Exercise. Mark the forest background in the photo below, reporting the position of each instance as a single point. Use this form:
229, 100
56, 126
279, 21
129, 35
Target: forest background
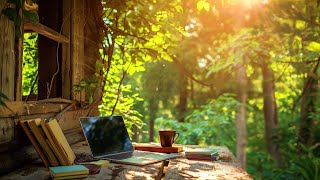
239, 73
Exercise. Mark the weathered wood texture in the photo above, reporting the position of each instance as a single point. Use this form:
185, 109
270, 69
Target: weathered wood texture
45, 31
182, 168
6, 130
7, 56
81, 26
77, 44
21, 108
19, 56
112, 171
49, 108
66, 65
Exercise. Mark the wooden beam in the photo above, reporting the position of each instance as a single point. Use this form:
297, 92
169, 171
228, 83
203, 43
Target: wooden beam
20, 108
45, 31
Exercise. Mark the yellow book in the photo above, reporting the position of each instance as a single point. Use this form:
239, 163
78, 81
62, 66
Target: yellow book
36, 145
42, 141
60, 141
63, 161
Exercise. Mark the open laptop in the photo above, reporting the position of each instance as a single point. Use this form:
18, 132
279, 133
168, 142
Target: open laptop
108, 138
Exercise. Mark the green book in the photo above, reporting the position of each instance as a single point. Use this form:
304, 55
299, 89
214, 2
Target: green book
60, 171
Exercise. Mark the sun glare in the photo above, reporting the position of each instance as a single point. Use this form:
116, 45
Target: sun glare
252, 3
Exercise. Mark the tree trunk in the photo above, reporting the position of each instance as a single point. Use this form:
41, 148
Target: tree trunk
183, 97
308, 103
241, 115
7, 56
270, 113
153, 109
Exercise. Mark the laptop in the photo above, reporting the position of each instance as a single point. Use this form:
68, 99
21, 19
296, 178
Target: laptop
108, 138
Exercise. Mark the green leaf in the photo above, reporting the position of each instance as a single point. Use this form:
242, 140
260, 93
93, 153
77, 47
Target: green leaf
10, 13
3, 96
33, 17
313, 47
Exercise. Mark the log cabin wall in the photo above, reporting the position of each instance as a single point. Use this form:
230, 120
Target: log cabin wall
7, 71
77, 57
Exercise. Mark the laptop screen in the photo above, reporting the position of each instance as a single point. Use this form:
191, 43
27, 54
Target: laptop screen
106, 135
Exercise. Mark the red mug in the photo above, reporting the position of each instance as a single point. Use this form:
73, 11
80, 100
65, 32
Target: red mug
168, 137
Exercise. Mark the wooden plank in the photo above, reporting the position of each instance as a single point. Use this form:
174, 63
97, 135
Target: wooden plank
7, 54
6, 130
45, 31
182, 168
19, 108
70, 120
190, 169
112, 171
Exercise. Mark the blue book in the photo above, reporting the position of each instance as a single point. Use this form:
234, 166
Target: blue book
60, 171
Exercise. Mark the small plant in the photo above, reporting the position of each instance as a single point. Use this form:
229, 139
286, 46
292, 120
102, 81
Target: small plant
3, 98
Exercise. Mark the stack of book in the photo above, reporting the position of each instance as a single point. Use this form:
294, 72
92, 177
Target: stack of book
69, 172
207, 154
49, 142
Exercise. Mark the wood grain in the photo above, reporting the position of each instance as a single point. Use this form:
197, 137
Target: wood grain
45, 31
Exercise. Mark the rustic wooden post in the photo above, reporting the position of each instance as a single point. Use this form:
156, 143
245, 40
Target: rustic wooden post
66, 51
18, 57
7, 56
77, 44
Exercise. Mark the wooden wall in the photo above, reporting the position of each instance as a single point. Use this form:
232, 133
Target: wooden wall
7, 56
14, 145
77, 21
7, 71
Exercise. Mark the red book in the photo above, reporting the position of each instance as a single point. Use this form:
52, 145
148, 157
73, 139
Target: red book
158, 148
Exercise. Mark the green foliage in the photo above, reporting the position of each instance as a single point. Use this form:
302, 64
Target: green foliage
88, 86
30, 64
136, 33
13, 14
211, 124
3, 98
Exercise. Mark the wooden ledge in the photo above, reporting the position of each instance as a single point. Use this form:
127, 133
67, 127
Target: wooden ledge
45, 31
